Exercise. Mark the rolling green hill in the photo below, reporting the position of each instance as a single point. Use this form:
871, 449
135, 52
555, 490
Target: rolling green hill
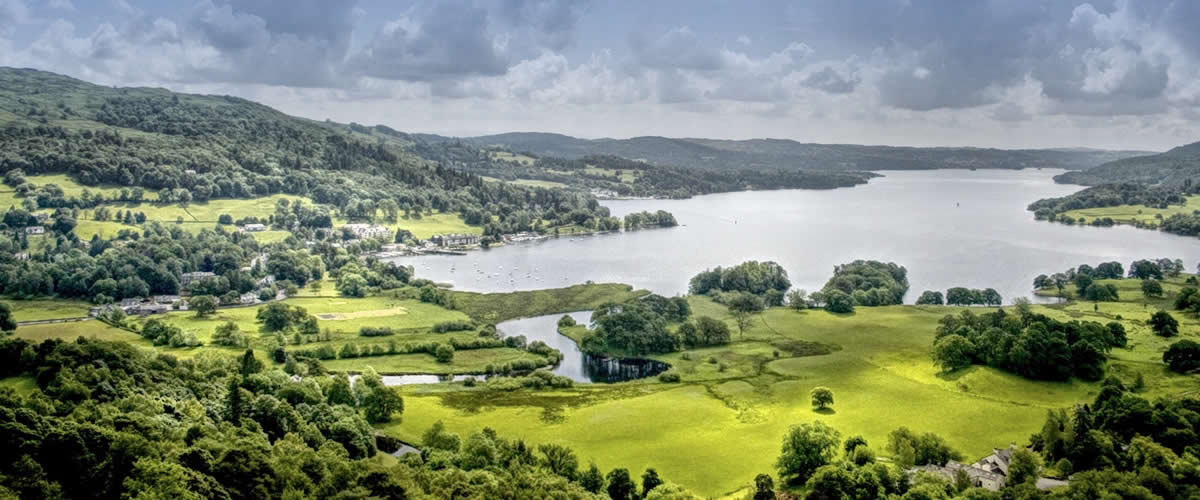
1174, 167
790, 155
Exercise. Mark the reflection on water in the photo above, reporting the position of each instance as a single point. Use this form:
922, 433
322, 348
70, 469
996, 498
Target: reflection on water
576, 365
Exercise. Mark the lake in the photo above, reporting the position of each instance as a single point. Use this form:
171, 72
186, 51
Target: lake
948, 227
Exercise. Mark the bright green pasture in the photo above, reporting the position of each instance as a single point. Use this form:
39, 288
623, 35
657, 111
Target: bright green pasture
72, 188
340, 314
468, 361
87, 228
723, 424
1127, 214
538, 183
37, 310
74, 330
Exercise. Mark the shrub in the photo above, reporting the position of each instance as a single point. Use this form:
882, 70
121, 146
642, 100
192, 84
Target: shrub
375, 331
453, 326
668, 377
444, 353
566, 321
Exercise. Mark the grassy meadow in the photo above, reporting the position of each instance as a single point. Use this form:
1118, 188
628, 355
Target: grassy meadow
723, 423
38, 310
1129, 214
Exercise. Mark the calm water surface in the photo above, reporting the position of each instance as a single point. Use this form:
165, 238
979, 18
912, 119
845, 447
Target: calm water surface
948, 227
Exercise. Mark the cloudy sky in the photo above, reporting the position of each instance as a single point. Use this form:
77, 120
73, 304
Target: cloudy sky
1012, 73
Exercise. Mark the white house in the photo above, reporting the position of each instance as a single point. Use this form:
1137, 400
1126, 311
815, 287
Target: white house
186, 279
254, 228
367, 231
455, 240
35, 230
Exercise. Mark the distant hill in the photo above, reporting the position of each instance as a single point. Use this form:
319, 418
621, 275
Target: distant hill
788, 154
1171, 168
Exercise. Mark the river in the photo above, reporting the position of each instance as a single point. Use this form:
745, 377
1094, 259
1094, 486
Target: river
948, 227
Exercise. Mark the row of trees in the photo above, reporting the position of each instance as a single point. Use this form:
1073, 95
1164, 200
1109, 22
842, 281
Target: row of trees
959, 296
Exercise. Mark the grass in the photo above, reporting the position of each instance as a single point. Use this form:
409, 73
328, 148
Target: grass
516, 157
429, 225
72, 331
497, 307
468, 361
72, 188
723, 424
87, 228
1128, 214
37, 310
339, 314
538, 183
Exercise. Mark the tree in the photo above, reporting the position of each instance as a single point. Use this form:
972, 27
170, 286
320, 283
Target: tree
838, 302
741, 306
381, 403
930, 297
592, 480
1152, 288
650, 480
203, 305
822, 397
560, 460
352, 285
7, 324
1163, 324
764, 487
1183, 356
797, 299
806, 447
339, 391
228, 334
620, 485
250, 364
1024, 467
953, 352
444, 353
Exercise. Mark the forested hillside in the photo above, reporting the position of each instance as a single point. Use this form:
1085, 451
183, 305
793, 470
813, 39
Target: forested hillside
194, 148
791, 155
1172, 168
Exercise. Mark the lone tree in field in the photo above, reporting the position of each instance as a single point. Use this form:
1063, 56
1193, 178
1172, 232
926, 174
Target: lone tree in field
741, 307
203, 305
822, 397
1164, 324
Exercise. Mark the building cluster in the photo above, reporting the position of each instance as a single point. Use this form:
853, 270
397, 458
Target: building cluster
455, 240
368, 231
990, 472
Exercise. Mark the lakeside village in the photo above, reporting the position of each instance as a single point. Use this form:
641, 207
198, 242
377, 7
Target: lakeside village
441, 244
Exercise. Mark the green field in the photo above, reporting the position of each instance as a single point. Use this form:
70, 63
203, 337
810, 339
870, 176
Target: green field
880, 372
37, 310
517, 157
72, 331
1128, 214
468, 361
497, 307
71, 188
198, 216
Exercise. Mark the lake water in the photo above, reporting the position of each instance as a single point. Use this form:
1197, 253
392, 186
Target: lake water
948, 227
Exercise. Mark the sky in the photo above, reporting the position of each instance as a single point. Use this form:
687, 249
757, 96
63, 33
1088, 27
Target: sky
1014, 73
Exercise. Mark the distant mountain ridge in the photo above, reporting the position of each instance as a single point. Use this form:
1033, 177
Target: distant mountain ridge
1171, 168
788, 154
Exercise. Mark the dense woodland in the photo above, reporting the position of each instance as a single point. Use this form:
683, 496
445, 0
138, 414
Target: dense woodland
863, 283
